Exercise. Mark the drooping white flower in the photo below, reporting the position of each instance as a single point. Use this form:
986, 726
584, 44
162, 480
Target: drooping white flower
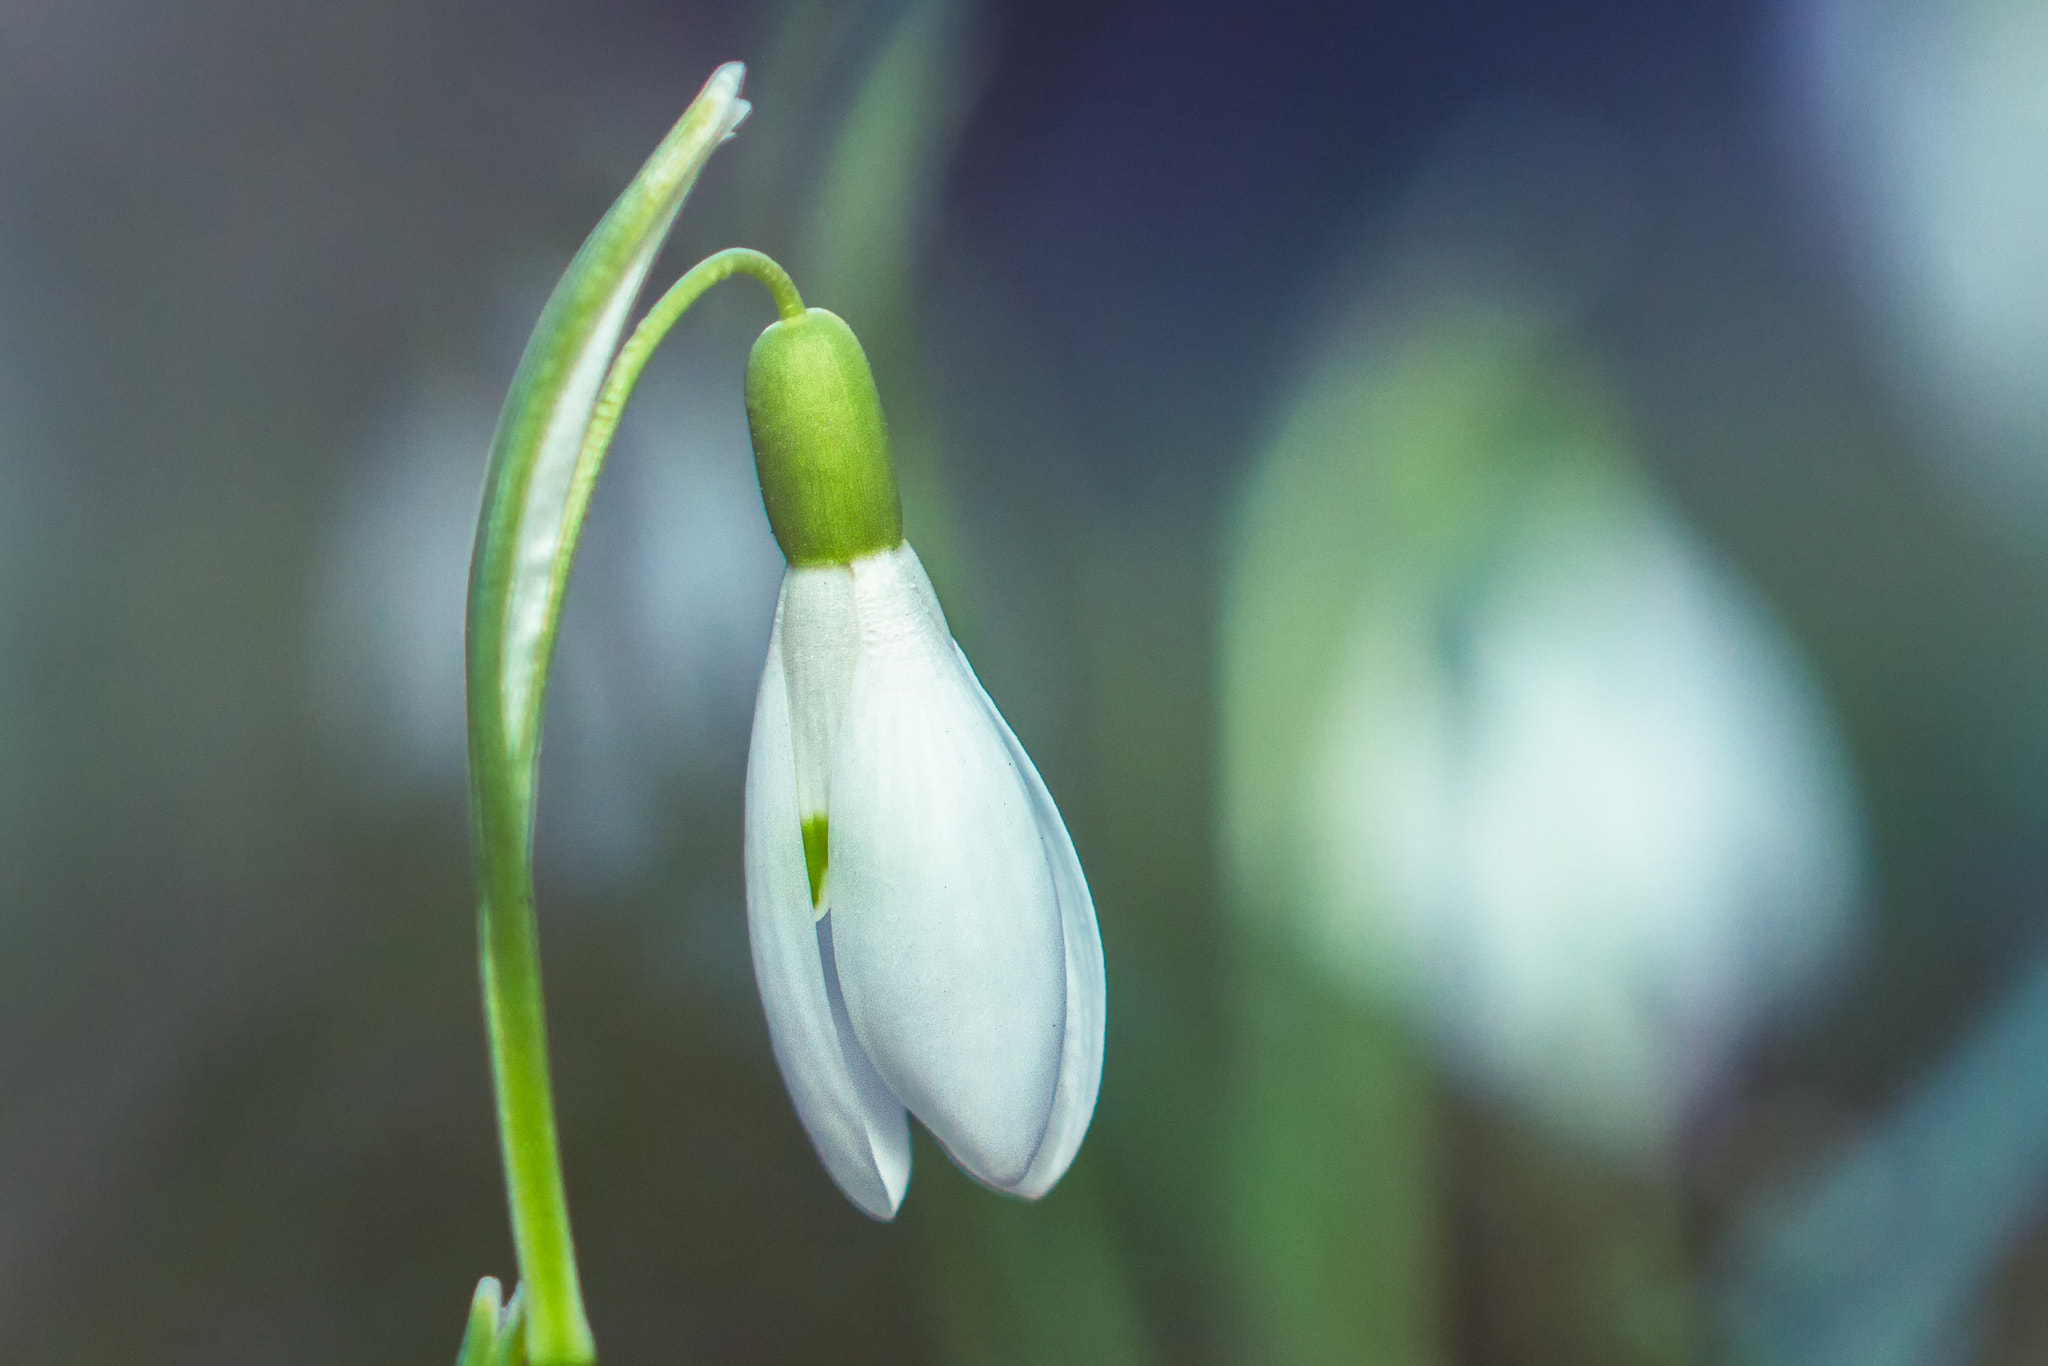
922, 932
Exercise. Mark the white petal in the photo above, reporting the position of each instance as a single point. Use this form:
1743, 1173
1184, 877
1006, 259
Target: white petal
920, 583
1087, 996
855, 1123
1073, 1103
946, 918
820, 645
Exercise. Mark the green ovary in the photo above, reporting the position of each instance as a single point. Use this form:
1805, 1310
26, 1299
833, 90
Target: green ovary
814, 856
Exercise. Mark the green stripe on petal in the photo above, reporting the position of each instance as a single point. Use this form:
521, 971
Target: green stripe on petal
814, 858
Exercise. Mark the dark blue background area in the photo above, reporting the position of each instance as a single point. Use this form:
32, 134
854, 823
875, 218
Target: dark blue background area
1163, 185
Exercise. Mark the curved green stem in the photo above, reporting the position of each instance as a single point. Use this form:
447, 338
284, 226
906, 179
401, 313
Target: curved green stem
532, 508
632, 359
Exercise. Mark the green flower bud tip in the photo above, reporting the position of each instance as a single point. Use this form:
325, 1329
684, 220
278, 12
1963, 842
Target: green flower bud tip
821, 447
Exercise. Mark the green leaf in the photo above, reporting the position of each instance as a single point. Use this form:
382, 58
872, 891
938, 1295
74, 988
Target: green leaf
510, 1348
517, 573
525, 542
480, 1339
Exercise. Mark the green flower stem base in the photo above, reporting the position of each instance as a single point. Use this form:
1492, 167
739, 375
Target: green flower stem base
497, 1331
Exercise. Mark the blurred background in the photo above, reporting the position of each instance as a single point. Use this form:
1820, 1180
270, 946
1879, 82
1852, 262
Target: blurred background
1515, 532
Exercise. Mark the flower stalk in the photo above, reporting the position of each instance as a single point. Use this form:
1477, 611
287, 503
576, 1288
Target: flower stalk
526, 532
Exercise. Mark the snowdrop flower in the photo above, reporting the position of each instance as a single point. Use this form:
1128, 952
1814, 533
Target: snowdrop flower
1506, 747
922, 933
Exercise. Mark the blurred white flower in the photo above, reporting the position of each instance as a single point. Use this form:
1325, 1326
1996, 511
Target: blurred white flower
922, 932
1505, 747
1929, 122
1590, 814
386, 653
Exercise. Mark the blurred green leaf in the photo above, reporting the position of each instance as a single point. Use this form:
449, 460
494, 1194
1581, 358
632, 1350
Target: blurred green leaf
1330, 1179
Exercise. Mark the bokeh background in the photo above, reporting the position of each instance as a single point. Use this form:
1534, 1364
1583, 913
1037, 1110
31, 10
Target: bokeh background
1516, 531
